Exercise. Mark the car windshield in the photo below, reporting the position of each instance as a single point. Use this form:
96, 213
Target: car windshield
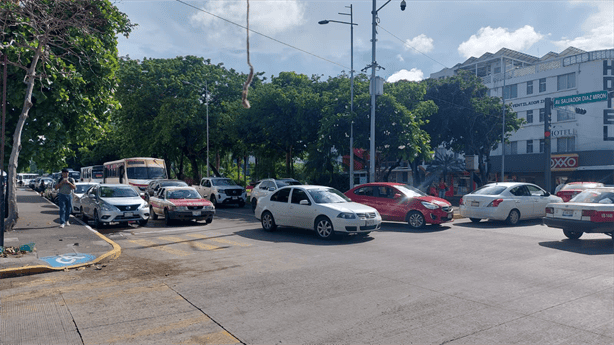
283, 183
581, 186
117, 192
173, 183
327, 196
410, 191
595, 196
82, 188
223, 182
490, 190
184, 194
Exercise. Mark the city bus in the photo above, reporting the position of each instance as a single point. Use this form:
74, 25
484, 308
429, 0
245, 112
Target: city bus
136, 172
92, 173
23, 179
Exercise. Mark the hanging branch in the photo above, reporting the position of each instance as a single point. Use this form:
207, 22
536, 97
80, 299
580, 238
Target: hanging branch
251, 68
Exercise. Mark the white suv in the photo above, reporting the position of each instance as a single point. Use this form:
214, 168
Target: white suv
268, 186
222, 190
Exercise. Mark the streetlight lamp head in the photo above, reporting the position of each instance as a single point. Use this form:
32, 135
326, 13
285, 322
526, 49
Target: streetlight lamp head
403, 5
323, 22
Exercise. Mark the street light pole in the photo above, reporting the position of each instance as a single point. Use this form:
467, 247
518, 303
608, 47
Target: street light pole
207, 106
351, 23
373, 66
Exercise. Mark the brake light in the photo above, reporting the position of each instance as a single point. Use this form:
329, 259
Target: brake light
549, 210
461, 201
495, 203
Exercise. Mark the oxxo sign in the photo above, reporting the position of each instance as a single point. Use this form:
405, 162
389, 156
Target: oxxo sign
564, 162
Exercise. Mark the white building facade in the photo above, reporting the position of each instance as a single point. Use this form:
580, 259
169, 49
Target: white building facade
582, 145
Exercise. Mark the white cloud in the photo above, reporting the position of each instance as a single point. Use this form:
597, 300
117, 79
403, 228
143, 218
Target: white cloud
491, 40
264, 18
400, 58
598, 29
419, 44
412, 75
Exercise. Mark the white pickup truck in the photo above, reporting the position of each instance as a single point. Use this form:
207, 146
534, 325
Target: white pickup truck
221, 190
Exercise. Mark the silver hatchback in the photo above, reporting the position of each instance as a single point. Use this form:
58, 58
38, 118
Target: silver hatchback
107, 203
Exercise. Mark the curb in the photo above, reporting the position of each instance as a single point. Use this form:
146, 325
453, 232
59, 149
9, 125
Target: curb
35, 269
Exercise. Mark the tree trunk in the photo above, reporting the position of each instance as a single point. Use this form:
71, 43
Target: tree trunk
288, 161
195, 170
13, 213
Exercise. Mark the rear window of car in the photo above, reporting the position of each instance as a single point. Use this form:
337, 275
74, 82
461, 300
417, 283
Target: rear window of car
173, 183
595, 196
283, 183
581, 186
490, 190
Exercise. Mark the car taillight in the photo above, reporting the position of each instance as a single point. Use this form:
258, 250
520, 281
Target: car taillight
549, 210
495, 203
461, 202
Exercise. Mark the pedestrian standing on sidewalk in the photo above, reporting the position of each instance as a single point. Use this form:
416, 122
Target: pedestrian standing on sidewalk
443, 187
65, 187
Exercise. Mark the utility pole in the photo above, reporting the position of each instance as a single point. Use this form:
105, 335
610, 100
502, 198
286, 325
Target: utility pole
547, 146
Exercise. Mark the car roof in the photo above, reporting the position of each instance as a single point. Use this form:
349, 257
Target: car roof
85, 183
114, 185
179, 188
306, 186
381, 184
509, 184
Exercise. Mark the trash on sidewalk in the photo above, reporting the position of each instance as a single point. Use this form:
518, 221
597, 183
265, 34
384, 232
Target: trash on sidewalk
27, 247
24, 249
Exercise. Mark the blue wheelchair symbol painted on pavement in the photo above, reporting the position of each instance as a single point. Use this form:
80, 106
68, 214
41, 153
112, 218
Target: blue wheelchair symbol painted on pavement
67, 259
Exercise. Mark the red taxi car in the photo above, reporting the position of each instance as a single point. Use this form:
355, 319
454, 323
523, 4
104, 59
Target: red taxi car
183, 203
572, 189
400, 202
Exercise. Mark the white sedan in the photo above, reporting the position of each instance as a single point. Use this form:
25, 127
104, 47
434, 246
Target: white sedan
591, 211
78, 192
323, 209
508, 201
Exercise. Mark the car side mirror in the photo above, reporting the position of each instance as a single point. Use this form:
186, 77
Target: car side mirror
546, 194
304, 202
397, 196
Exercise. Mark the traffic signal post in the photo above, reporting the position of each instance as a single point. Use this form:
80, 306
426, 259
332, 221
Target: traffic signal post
547, 142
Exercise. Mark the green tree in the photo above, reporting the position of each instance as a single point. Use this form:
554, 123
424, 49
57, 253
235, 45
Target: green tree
70, 46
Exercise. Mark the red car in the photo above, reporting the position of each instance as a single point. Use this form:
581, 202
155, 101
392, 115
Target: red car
400, 202
574, 188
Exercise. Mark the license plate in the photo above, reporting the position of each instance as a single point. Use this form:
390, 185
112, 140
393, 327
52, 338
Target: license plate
128, 214
196, 213
567, 213
234, 198
369, 222
475, 203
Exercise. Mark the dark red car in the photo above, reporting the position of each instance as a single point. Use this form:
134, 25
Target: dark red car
574, 188
403, 203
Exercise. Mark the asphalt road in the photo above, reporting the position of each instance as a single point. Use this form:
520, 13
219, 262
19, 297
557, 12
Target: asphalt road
231, 282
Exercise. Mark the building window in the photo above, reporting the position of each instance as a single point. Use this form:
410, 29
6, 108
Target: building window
529, 87
542, 145
567, 144
529, 146
564, 114
542, 85
542, 114
511, 148
529, 116
566, 81
510, 91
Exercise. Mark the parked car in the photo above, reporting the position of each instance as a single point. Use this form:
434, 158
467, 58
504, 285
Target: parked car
221, 190
268, 186
506, 201
569, 190
33, 181
154, 186
402, 203
77, 193
323, 209
50, 192
591, 211
180, 203
42, 184
107, 203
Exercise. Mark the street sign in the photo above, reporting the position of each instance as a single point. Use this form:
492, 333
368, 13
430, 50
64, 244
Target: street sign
581, 98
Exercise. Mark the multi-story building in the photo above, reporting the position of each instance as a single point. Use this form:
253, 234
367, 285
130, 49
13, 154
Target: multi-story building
582, 145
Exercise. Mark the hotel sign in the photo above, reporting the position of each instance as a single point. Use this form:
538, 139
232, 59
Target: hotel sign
581, 98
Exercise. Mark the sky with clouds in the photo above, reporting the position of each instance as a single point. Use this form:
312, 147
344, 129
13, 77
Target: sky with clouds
425, 38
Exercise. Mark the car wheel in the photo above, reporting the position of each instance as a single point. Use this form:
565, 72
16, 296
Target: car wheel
324, 228
83, 215
214, 201
475, 220
415, 219
254, 203
513, 217
97, 222
209, 220
152, 214
572, 235
268, 222
143, 222
167, 218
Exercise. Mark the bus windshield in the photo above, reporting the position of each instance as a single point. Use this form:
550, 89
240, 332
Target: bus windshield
145, 173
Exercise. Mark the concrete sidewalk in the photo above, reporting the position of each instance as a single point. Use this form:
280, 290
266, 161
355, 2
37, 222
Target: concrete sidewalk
56, 248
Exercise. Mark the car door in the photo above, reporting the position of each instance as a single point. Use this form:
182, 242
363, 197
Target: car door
365, 195
206, 188
278, 206
156, 201
539, 200
522, 201
303, 216
89, 202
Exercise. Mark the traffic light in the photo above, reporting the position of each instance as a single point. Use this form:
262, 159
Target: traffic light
580, 111
547, 118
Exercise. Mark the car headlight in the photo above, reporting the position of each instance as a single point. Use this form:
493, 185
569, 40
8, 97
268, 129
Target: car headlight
429, 205
209, 208
222, 191
108, 207
181, 208
347, 215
